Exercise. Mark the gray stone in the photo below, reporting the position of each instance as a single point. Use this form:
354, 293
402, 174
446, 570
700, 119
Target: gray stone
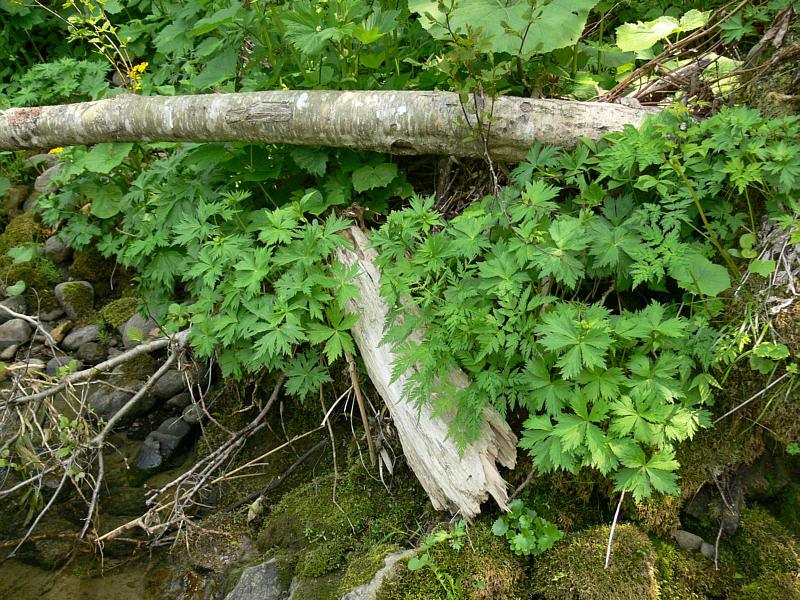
43, 183
687, 540
175, 426
179, 401
192, 414
9, 353
157, 450
56, 250
14, 199
52, 315
260, 581
708, 551
92, 352
106, 401
31, 203
46, 159
57, 362
76, 302
138, 322
369, 591
77, 338
170, 383
15, 303
14, 333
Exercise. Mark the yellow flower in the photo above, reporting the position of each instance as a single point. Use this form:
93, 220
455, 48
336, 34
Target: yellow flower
135, 74
56, 150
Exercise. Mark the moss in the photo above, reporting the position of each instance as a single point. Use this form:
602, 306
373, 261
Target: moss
688, 576
771, 586
483, 569
117, 312
139, 368
20, 230
659, 514
316, 588
39, 275
574, 569
80, 297
307, 519
762, 545
788, 509
362, 566
90, 265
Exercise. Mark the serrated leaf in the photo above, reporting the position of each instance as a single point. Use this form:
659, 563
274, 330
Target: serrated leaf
369, 177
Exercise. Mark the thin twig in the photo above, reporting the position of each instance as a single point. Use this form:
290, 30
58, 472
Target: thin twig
753, 397
613, 528
362, 408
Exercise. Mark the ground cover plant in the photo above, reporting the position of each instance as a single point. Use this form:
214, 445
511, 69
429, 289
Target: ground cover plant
603, 298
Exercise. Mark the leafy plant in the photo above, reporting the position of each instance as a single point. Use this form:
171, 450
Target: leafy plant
423, 560
527, 533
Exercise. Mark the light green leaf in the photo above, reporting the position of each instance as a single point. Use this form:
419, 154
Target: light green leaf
22, 254
218, 69
106, 199
765, 268
5, 184
700, 276
635, 37
103, 158
369, 178
16, 289
694, 19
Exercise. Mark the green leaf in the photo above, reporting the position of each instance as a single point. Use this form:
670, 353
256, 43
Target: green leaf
635, 37
221, 17
15, 289
106, 199
765, 268
217, 70
103, 158
500, 527
5, 184
694, 19
22, 254
369, 178
312, 160
700, 276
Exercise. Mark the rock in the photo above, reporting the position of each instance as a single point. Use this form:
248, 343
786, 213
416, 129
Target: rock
260, 581
15, 303
46, 159
708, 551
53, 315
76, 298
55, 363
106, 401
125, 500
143, 326
14, 199
92, 352
56, 250
157, 450
687, 540
168, 385
192, 414
175, 426
31, 203
179, 401
43, 183
60, 331
369, 591
14, 332
77, 338
9, 353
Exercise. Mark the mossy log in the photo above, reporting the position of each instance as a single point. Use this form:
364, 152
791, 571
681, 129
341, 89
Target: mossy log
454, 480
398, 122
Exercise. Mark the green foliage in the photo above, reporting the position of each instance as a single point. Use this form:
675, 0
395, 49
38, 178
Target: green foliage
527, 533
516, 291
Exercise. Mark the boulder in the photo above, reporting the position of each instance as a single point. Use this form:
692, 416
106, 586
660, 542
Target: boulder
31, 203
369, 591
14, 199
168, 385
175, 427
15, 303
43, 183
52, 315
9, 353
179, 401
14, 332
92, 352
105, 401
157, 450
142, 326
56, 250
687, 540
55, 363
76, 298
77, 338
192, 414
262, 581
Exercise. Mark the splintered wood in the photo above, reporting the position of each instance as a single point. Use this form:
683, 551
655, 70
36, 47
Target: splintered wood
455, 481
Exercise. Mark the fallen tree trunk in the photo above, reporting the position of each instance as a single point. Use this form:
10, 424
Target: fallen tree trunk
396, 122
454, 481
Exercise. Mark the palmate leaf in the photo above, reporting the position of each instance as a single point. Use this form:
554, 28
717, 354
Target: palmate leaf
641, 476
579, 337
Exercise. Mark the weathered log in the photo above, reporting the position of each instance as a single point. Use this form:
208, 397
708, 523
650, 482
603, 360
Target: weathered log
396, 122
454, 481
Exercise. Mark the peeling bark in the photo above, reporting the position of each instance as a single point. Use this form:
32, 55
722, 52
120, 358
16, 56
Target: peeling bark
396, 122
454, 481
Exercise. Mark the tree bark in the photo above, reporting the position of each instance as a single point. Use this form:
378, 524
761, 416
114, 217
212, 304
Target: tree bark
396, 122
454, 480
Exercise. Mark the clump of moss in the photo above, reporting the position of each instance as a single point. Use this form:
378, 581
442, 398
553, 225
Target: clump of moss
307, 519
20, 230
484, 569
788, 508
574, 569
139, 368
80, 297
660, 514
117, 312
89, 265
362, 567
771, 586
688, 576
762, 545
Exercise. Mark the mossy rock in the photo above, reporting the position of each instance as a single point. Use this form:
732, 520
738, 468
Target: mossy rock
308, 521
688, 576
316, 588
89, 265
574, 569
362, 566
117, 312
659, 514
788, 509
761, 546
20, 231
771, 586
484, 569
